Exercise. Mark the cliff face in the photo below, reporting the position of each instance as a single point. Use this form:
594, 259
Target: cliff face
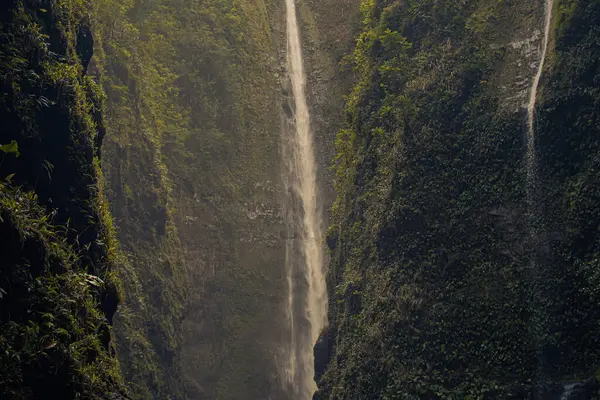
195, 110
58, 293
329, 29
451, 276
193, 167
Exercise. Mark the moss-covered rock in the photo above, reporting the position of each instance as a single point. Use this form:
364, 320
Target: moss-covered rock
55, 340
59, 292
437, 287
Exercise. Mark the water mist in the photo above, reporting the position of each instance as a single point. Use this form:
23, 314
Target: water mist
307, 296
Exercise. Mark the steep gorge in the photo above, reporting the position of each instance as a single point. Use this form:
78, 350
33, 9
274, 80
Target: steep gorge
463, 199
195, 168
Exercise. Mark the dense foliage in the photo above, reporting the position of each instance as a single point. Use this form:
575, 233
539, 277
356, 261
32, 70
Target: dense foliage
443, 282
58, 292
54, 338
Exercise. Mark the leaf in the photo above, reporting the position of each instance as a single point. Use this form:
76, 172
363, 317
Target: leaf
8, 179
48, 167
93, 280
2, 293
51, 346
12, 147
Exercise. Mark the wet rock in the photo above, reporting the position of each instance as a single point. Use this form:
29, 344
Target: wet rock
85, 46
331, 241
581, 390
323, 351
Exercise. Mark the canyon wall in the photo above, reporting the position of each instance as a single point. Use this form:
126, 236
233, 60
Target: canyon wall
444, 283
197, 99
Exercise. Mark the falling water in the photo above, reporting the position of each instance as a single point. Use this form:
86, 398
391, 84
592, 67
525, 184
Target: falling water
568, 391
533, 195
539, 252
307, 298
531, 153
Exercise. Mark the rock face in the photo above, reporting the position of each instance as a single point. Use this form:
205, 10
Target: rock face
193, 161
323, 351
443, 283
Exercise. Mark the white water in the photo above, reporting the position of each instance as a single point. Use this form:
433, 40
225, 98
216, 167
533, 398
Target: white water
531, 154
532, 176
305, 268
567, 391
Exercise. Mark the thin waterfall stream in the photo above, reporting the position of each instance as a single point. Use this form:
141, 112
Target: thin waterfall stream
307, 296
536, 228
531, 161
531, 152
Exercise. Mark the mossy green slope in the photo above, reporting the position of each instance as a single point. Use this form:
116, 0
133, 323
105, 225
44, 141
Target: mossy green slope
433, 288
140, 107
59, 292
54, 337
192, 166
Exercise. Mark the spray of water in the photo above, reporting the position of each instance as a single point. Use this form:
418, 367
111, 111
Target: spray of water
307, 297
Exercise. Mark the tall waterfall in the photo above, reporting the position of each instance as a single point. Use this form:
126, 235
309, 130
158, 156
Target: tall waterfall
307, 296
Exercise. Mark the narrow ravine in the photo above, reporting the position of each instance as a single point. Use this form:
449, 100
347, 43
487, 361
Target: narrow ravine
307, 298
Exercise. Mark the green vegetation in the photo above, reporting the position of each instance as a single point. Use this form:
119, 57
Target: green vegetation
140, 106
436, 288
191, 153
54, 337
443, 284
58, 291
12, 147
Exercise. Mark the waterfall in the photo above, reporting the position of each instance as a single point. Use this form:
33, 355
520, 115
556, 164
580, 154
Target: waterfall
307, 297
531, 148
531, 162
536, 229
